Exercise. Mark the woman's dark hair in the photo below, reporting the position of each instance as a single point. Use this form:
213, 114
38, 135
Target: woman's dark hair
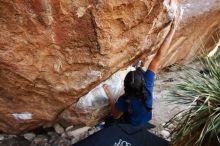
134, 85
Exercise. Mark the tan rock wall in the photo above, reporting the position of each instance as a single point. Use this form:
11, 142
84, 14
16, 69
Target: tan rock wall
54, 51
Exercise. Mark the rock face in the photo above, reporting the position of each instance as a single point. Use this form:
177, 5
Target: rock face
52, 52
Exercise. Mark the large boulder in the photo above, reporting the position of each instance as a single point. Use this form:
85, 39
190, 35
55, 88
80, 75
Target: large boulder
52, 52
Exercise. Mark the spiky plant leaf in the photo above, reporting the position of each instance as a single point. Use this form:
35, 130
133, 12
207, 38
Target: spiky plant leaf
199, 125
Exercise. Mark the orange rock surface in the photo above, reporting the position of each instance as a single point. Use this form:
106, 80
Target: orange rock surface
52, 52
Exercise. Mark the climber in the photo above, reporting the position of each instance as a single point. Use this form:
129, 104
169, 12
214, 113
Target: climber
135, 106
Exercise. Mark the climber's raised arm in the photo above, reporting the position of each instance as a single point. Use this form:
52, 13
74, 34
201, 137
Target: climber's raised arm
155, 63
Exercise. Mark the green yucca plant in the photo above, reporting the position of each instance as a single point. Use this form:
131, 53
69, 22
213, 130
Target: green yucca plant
199, 124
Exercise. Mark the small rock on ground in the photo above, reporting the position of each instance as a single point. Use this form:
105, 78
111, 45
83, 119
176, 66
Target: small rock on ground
29, 136
2, 137
69, 128
58, 128
78, 132
165, 134
40, 140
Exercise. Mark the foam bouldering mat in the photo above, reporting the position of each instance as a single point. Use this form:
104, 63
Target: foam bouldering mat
123, 135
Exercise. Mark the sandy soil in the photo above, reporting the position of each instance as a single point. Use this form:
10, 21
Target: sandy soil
165, 82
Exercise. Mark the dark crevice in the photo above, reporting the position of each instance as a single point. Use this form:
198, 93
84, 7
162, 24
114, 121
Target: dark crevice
95, 31
95, 2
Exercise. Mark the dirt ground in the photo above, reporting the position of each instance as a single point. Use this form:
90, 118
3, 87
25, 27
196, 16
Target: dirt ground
163, 109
